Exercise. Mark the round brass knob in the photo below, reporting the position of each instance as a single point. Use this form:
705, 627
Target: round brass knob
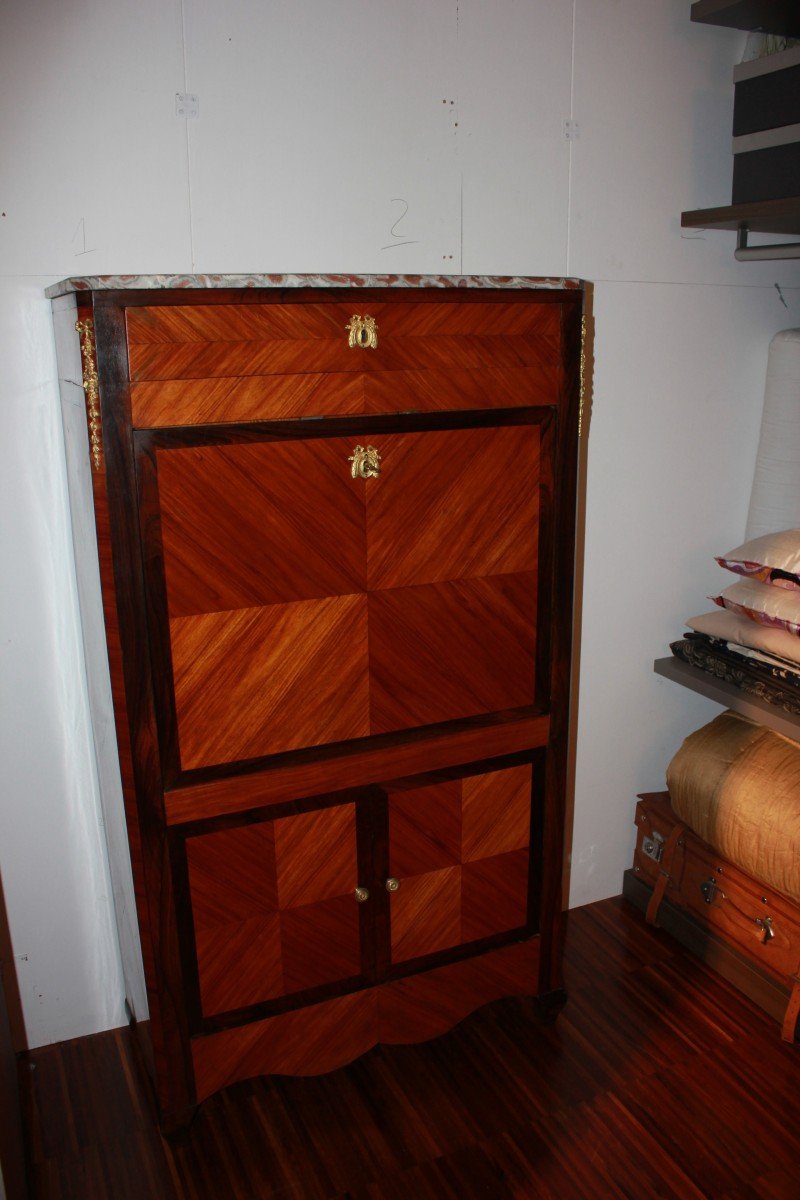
361, 894
392, 885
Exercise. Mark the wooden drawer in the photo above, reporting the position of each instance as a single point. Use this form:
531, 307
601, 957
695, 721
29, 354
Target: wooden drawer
214, 363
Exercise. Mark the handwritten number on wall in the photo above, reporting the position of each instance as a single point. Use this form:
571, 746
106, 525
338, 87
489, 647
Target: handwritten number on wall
399, 238
79, 238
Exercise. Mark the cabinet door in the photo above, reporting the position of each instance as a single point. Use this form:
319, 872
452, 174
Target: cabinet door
271, 908
296, 606
460, 861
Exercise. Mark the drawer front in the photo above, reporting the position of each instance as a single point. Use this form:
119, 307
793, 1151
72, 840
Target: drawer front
304, 607
211, 364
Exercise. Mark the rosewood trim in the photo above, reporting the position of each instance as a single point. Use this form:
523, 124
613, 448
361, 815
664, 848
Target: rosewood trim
562, 591
360, 425
174, 1076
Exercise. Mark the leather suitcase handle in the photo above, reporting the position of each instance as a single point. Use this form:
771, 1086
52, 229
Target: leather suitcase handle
664, 870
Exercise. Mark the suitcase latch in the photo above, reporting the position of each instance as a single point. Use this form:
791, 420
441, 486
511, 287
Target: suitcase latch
653, 847
765, 925
709, 890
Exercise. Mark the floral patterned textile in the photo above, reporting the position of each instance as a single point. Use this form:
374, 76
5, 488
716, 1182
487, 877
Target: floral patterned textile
763, 603
773, 558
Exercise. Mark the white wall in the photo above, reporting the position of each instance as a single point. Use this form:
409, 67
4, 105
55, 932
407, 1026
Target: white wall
320, 121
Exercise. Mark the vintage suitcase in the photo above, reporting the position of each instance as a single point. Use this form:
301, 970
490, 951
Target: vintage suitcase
747, 932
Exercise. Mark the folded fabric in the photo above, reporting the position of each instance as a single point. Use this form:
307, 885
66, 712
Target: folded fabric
731, 627
759, 656
776, 685
762, 603
773, 558
737, 785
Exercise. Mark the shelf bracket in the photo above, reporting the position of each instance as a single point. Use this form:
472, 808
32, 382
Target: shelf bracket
745, 253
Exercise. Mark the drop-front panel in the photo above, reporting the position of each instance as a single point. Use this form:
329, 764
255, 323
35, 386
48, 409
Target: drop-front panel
307, 607
336, 536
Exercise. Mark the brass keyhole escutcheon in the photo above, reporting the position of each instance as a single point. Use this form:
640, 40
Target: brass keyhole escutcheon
392, 884
363, 333
361, 894
366, 462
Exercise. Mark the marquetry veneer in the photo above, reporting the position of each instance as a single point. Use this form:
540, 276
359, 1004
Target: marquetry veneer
341, 695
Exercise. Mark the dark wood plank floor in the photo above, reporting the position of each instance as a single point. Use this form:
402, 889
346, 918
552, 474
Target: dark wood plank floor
657, 1080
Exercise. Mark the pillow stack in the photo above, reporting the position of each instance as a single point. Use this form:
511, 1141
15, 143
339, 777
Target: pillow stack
759, 615
735, 782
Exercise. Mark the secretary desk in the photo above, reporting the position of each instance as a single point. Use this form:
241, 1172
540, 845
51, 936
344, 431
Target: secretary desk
325, 539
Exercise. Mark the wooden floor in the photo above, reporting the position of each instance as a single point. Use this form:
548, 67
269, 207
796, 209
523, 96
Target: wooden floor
658, 1080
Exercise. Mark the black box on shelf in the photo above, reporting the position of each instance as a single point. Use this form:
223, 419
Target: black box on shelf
766, 128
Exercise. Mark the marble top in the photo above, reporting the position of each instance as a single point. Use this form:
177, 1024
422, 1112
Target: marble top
94, 283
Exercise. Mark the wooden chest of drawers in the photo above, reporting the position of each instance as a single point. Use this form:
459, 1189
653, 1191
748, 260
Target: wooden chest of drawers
335, 533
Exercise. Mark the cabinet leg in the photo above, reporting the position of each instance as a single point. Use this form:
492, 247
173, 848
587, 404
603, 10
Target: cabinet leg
175, 1123
549, 1005
792, 1015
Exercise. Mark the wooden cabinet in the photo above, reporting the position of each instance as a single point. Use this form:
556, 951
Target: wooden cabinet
336, 543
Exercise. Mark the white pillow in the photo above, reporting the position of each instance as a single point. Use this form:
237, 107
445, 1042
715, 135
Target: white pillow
763, 603
761, 556
728, 626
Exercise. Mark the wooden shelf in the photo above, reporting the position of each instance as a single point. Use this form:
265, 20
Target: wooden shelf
761, 216
729, 696
780, 17
767, 16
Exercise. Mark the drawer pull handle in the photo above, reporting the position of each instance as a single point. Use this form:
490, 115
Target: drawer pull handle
363, 333
392, 884
366, 462
361, 894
